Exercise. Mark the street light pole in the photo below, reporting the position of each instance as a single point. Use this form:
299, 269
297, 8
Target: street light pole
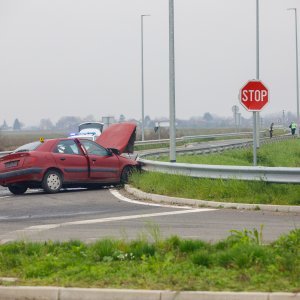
255, 113
297, 71
172, 83
142, 74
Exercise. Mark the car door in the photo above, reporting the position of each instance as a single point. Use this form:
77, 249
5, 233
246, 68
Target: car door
104, 166
71, 161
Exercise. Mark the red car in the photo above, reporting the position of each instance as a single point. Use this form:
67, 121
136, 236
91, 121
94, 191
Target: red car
70, 162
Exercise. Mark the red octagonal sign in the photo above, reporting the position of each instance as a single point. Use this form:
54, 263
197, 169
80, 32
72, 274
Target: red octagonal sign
254, 95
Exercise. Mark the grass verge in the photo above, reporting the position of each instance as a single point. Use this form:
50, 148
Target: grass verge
284, 154
237, 191
239, 263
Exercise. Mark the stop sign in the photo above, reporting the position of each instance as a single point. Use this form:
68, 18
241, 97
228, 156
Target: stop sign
254, 95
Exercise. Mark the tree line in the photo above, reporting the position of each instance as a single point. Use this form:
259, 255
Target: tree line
207, 120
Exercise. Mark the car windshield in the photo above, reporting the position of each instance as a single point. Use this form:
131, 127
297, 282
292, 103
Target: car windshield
91, 131
91, 126
28, 147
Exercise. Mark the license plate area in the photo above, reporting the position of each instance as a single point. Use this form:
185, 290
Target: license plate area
11, 164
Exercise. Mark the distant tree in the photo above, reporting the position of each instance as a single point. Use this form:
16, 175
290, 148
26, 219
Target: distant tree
69, 123
17, 125
207, 117
4, 125
89, 118
149, 123
46, 124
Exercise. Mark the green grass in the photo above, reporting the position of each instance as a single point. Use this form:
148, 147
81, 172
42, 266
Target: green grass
239, 263
281, 154
284, 154
237, 191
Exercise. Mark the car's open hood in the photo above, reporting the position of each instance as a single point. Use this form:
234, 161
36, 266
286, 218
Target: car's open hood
119, 136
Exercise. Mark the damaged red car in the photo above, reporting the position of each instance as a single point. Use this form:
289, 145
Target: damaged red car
70, 162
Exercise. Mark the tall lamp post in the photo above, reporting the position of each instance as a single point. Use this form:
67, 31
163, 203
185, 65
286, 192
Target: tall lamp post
142, 74
172, 83
255, 113
297, 72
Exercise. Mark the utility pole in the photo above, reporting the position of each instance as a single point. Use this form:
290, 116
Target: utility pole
142, 74
172, 83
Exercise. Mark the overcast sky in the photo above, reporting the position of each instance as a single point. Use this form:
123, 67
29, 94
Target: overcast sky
81, 57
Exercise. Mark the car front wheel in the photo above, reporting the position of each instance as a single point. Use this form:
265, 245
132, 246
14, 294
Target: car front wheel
17, 189
126, 172
52, 182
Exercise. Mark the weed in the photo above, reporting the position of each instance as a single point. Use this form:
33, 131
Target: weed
247, 236
191, 245
240, 262
202, 258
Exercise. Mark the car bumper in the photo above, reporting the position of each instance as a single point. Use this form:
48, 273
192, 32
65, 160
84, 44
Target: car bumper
20, 175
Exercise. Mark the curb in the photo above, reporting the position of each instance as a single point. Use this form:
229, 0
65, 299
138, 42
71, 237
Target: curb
57, 293
204, 203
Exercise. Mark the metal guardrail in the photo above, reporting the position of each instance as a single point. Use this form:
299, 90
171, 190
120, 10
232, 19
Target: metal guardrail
210, 149
195, 149
194, 137
267, 174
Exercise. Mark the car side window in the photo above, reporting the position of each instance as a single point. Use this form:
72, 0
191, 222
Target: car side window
66, 147
93, 148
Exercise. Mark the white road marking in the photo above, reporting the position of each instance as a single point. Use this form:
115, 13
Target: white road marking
2, 197
114, 219
123, 198
39, 228
123, 218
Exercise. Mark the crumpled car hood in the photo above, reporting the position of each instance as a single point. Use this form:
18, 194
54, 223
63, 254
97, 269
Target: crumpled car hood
119, 136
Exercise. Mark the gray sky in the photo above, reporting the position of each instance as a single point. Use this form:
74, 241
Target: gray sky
81, 57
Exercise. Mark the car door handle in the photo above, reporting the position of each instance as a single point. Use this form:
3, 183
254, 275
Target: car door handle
62, 158
94, 159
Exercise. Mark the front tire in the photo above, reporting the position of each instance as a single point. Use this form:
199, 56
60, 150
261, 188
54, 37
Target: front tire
17, 189
52, 182
126, 172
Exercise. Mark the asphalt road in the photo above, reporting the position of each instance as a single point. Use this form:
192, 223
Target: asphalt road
92, 214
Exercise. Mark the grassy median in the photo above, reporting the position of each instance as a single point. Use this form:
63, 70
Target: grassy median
237, 191
284, 154
280, 154
242, 262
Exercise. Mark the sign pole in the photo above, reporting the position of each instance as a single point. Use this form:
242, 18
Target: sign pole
254, 95
256, 115
254, 138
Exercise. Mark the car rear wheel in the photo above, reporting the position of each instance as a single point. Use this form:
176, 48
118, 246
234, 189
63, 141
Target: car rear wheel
17, 189
126, 172
52, 182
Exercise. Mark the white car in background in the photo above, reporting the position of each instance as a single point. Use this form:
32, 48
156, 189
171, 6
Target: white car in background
89, 130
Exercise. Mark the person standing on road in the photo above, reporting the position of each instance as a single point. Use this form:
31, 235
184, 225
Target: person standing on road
293, 126
271, 130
